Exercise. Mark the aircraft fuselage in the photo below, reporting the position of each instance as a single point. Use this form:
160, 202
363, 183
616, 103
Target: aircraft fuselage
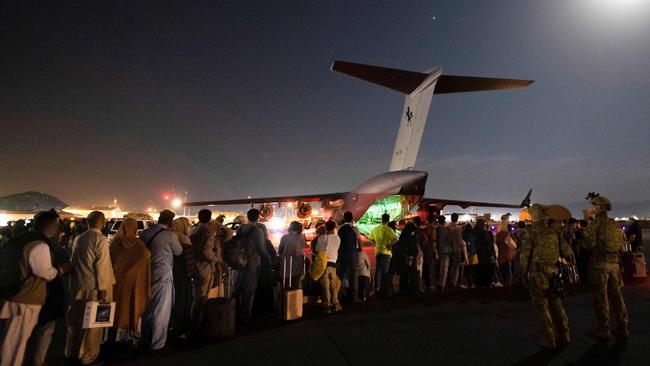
407, 183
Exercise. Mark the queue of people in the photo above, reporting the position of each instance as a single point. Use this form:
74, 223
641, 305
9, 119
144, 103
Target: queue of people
161, 280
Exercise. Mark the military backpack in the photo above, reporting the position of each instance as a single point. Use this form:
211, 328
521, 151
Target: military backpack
609, 237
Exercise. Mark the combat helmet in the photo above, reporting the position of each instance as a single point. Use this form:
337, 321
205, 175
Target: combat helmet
602, 203
538, 212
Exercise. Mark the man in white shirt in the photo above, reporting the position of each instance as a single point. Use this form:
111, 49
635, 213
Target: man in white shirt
163, 245
330, 243
91, 280
20, 310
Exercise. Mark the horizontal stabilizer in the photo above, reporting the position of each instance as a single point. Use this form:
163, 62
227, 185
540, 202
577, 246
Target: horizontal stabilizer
400, 80
459, 84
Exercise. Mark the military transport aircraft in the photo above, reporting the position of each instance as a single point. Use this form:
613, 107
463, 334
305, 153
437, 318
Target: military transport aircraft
401, 189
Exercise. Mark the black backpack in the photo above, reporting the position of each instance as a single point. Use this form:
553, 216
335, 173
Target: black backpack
348, 238
235, 251
11, 257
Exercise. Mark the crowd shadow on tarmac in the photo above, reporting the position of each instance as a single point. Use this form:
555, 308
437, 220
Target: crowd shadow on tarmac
507, 306
601, 353
314, 314
540, 358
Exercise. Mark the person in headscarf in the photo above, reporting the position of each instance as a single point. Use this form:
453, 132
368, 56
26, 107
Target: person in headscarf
132, 289
506, 245
408, 252
184, 276
486, 256
221, 271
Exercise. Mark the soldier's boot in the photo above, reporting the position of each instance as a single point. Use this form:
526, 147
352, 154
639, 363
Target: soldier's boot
599, 333
563, 339
622, 331
546, 342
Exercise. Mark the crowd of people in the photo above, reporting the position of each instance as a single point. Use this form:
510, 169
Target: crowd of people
162, 279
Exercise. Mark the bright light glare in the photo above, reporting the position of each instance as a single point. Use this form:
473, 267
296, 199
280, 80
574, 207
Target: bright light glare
624, 2
176, 203
276, 224
620, 7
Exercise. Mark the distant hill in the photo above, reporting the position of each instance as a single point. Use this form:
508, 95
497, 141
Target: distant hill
31, 202
641, 209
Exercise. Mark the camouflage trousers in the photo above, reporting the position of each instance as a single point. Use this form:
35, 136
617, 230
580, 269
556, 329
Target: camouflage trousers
606, 283
549, 308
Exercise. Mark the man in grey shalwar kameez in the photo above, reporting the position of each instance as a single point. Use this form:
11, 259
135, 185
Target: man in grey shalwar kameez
163, 245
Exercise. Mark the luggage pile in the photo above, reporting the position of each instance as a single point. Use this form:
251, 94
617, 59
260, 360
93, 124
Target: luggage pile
219, 315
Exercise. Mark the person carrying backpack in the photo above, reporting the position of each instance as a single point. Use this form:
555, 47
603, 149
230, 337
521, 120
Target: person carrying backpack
347, 256
204, 243
604, 238
25, 269
252, 238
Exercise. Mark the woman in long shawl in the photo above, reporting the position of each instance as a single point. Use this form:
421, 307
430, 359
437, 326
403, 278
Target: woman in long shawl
486, 256
184, 275
132, 289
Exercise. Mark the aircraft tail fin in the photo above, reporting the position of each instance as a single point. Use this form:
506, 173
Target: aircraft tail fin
419, 88
526, 200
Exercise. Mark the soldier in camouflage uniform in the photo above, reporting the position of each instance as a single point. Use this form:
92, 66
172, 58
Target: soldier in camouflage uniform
540, 252
604, 238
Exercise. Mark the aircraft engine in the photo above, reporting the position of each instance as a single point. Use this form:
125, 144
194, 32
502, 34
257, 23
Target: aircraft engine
304, 210
266, 212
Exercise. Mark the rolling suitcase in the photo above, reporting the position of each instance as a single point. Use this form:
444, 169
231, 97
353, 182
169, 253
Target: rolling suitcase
219, 317
291, 306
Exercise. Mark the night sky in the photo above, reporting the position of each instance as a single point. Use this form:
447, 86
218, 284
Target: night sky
226, 99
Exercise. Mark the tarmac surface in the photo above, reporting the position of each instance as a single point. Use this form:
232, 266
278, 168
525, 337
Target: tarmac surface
457, 327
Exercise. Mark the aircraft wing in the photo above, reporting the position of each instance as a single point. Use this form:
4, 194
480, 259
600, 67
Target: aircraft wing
254, 200
441, 202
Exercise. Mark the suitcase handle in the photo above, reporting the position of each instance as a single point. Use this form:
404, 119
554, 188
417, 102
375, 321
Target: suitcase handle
284, 271
229, 282
290, 270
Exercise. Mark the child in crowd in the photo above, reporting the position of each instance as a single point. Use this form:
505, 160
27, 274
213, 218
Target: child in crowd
363, 273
